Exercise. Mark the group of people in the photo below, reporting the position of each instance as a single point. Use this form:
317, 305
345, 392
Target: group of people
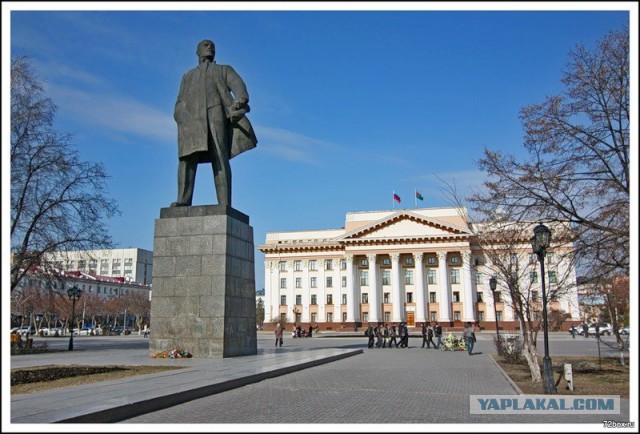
382, 335
299, 332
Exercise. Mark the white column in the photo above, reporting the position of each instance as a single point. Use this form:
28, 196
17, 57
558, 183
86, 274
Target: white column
352, 301
337, 290
321, 293
397, 314
374, 302
271, 285
306, 291
269, 296
445, 301
290, 293
468, 310
421, 315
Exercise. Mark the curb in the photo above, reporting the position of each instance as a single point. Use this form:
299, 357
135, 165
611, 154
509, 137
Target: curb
511, 382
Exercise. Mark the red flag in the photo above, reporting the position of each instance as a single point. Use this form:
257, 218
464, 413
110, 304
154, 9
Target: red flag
396, 198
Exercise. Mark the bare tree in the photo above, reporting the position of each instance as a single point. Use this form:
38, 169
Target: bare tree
578, 165
58, 201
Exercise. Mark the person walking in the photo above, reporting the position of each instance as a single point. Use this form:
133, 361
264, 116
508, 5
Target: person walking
385, 336
430, 336
392, 336
469, 337
371, 335
437, 331
379, 336
278, 335
404, 335
425, 340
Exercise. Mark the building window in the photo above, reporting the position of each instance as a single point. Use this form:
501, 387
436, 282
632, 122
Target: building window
298, 317
408, 277
283, 300
532, 258
553, 277
365, 316
455, 259
534, 295
283, 283
386, 277
408, 261
499, 315
431, 277
314, 299
329, 316
329, 282
344, 281
328, 264
455, 275
387, 317
365, 298
533, 277
343, 264
385, 297
456, 296
282, 266
283, 318
551, 257
480, 316
497, 296
329, 298
297, 265
344, 316
479, 278
431, 260
344, 298
386, 262
313, 282
479, 260
298, 299
479, 297
456, 315
514, 259
409, 297
434, 316
364, 278
313, 265
314, 317
364, 262
432, 297
298, 282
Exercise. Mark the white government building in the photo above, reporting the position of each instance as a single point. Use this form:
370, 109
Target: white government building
398, 265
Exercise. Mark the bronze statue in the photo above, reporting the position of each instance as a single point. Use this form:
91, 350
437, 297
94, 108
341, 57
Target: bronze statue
212, 126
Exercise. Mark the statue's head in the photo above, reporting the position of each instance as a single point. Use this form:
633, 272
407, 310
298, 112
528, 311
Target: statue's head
206, 49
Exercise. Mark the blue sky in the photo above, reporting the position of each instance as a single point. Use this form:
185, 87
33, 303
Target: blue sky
348, 106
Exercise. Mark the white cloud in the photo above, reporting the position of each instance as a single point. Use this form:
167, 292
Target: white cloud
291, 146
116, 112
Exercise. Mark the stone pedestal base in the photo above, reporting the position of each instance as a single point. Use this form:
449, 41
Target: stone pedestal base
203, 295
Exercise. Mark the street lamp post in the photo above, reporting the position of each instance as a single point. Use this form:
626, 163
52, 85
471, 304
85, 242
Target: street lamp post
493, 284
74, 294
540, 242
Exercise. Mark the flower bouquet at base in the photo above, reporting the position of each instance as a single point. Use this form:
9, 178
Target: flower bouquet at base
451, 343
176, 353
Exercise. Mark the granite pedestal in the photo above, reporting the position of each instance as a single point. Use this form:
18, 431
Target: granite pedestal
203, 298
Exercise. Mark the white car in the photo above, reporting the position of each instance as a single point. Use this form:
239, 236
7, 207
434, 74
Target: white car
624, 330
82, 332
605, 329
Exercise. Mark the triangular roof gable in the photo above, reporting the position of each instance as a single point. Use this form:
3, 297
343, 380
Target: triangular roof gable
406, 224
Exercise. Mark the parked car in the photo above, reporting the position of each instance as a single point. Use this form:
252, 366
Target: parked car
576, 329
85, 331
605, 329
624, 330
25, 330
53, 331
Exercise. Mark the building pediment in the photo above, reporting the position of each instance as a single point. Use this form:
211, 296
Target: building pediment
405, 224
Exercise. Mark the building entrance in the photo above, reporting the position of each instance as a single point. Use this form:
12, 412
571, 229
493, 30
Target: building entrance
411, 321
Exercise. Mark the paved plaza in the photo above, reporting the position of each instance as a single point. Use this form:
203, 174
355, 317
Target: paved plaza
319, 380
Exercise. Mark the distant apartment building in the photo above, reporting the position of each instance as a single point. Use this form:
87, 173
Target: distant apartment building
132, 264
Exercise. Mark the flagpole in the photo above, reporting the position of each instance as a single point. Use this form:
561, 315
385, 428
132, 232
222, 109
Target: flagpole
393, 199
415, 198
